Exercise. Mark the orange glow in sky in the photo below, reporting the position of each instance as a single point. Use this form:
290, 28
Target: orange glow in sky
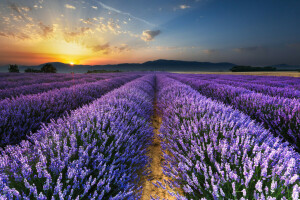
70, 32
91, 32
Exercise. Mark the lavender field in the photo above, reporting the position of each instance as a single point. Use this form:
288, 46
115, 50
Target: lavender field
149, 136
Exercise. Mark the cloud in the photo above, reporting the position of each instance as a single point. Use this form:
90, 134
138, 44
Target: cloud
3, 34
70, 6
123, 13
6, 20
72, 36
182, 7
47, 31
108, 49
103, 26
23, 36
103, 48
20, 36
113, 26
37, 6
149, 35
122, 48
21, 11
95, 7
87, 21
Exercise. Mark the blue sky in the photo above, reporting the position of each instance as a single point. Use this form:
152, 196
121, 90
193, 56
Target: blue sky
115, 31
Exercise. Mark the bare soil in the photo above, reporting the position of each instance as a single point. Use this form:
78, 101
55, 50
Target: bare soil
155, 153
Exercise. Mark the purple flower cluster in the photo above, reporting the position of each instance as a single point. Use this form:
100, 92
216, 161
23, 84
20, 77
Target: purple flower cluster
66, 81
97, 152
282, 82
20, 80
280, 115
215, 152
19, 116
268, 90
40, 87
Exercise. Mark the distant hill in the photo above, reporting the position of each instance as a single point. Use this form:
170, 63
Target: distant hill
156, 65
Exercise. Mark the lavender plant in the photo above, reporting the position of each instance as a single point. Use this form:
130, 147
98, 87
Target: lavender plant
215, 152
285, 92
40, 88
97, 152
19, 116
21, 80
280, 115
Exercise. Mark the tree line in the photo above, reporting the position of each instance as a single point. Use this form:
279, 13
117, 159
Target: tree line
47, 68
251, 69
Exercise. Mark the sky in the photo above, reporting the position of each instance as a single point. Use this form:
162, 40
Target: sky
254, 32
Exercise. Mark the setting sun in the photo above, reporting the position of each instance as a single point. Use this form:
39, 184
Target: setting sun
71, 63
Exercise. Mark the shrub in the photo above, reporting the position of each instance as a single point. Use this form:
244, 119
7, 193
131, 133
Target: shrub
13, 69
48, 68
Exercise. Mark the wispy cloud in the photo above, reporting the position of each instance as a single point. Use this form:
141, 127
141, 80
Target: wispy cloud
20, 36
113, 26
89, 21
103, 48
74, 35
108, 49
102, 25
21, 11
70, 6
123, 13
47, 31
122, 48
6, 20
149, 35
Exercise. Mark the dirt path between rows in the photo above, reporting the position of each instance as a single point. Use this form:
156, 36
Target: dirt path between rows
156, 154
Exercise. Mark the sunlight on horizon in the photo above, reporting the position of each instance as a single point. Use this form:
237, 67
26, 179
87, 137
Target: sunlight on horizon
109, 32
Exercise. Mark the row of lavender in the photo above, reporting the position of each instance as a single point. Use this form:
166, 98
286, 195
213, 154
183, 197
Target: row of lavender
273, 81
26, 76
285, 90
15, 77
215, 152
97, 152
30, 79
280, 115
19, 116
41, 87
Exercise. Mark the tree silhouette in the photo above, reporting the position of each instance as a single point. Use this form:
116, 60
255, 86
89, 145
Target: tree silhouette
48, 68
13, 68
30, 70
